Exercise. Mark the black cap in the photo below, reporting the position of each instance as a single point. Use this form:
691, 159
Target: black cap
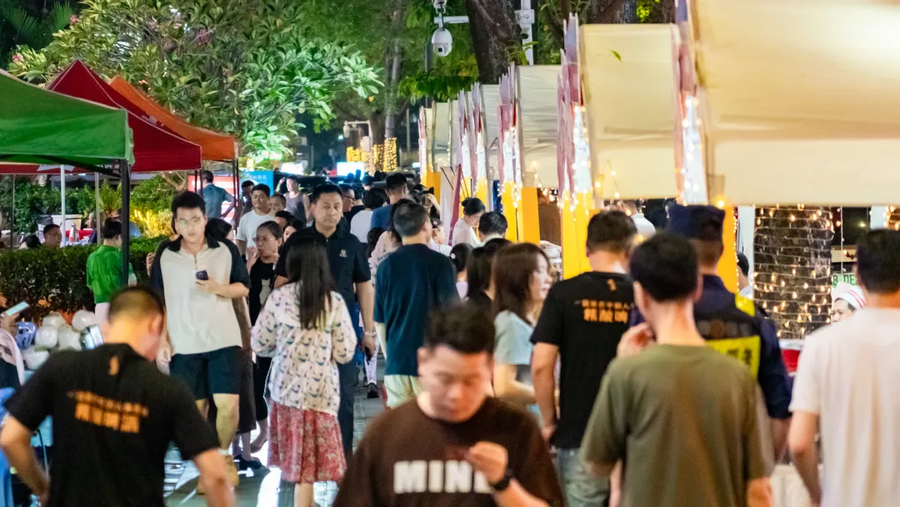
696, 222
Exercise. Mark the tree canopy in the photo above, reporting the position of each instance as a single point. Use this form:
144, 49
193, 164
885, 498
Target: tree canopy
245, 67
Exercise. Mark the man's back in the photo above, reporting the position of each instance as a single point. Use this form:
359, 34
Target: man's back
411, 282
114, 415
849, 376
688, 421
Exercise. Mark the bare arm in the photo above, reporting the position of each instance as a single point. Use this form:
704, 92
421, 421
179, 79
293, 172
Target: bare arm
242, 246
516, 496
214, 479
543, 366
230, 291
780, 429
803, 450
507, 388
366, 293
279, 281
759, 493
15, 440
381, 330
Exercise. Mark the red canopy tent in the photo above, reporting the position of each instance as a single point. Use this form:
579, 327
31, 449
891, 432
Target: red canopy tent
155, 147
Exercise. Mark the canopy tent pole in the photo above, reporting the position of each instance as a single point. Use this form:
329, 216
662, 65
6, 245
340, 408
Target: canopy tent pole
125, 218
62, 198
12, 228
98, 224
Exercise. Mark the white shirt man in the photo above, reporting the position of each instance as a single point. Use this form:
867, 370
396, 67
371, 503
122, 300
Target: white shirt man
262, 213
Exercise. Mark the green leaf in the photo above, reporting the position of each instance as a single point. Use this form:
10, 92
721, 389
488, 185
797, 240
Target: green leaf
616, 55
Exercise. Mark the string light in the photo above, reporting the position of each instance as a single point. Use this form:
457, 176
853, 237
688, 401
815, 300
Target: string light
792, 242
389, 154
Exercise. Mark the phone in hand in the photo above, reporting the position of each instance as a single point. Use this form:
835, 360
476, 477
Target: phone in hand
19, 308
202, 275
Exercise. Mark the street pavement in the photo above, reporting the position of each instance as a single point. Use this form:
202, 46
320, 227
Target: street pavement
262, 488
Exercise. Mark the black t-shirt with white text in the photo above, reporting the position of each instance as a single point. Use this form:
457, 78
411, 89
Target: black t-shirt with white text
114, 415
408, 459
585, 317
262, 280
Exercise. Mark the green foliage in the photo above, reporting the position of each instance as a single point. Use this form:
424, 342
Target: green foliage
650, 11
20, 25
56, 280
155, 194
235, 66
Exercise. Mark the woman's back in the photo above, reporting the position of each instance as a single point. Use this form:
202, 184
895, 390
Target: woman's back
304, 370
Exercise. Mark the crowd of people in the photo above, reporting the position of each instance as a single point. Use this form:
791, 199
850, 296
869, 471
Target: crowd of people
641, 382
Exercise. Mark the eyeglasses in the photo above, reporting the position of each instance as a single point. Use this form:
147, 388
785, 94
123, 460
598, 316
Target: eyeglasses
189, 223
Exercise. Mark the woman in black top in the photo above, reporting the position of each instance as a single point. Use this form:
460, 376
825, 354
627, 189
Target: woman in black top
481, 290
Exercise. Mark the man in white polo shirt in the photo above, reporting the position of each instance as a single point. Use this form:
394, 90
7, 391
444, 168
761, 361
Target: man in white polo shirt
250, 222
199, 276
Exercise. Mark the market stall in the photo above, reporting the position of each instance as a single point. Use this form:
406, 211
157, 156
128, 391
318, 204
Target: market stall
43, 127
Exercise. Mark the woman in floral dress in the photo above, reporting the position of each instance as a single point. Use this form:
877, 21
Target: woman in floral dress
306, 329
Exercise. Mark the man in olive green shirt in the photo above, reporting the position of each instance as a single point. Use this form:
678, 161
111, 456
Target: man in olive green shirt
685, 420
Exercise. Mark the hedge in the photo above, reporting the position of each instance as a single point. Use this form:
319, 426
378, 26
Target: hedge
59, 277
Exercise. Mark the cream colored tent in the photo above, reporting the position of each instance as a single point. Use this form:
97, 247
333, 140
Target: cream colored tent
800, 99
628, 77
538, 91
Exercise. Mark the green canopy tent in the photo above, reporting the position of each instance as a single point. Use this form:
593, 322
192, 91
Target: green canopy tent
43, 127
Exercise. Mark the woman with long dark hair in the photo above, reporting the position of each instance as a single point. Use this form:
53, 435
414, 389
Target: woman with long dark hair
306, 329
521, 275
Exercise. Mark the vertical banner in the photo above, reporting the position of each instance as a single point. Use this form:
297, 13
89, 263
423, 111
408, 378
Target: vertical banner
480, 165
505, 157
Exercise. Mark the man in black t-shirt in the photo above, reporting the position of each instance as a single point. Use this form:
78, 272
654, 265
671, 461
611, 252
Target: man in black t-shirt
582, 321
452, 446
114, 415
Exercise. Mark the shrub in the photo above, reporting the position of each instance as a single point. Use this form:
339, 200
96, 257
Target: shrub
59, 277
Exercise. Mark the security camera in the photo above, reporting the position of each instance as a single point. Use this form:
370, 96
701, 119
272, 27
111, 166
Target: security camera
439, 5
442, 42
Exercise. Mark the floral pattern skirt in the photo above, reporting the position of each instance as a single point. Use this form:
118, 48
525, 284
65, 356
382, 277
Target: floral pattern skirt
305, 445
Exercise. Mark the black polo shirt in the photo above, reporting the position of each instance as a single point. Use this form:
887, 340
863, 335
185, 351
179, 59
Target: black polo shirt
346, 255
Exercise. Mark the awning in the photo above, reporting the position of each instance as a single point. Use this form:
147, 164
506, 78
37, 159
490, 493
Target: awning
629, 92
538, 86
215, 146
155, 148
42, 127
800, 100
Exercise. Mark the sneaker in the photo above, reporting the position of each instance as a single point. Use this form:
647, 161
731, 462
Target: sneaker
248, 464
373, 392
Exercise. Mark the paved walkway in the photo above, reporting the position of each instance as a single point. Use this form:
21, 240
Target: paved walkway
261, 489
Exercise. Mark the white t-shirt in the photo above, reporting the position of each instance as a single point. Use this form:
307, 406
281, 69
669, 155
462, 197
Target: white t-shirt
464, 233
249, 224
849, 374
361, 225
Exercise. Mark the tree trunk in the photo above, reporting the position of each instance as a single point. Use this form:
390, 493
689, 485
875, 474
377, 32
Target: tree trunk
612, 11
792, 258
395, 58
495, 37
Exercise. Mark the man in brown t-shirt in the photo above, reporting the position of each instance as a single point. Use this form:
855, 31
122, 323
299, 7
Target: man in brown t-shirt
452, 446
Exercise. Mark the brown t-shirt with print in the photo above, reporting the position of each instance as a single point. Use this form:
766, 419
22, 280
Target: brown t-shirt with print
409, 459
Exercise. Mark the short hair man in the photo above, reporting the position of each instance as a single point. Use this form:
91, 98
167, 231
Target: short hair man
215, 196
250, 222
277, 202
348, 196
199, 276
397, 187
730, 323
582, 321
296, 202
411, 282
113, 416
350, 272
246, 201
283, 218
104, 268
678, 398
52, 236
492, 225
452, 445
848, 389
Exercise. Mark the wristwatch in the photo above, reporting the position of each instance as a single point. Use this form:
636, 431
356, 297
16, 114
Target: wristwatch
503, 484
